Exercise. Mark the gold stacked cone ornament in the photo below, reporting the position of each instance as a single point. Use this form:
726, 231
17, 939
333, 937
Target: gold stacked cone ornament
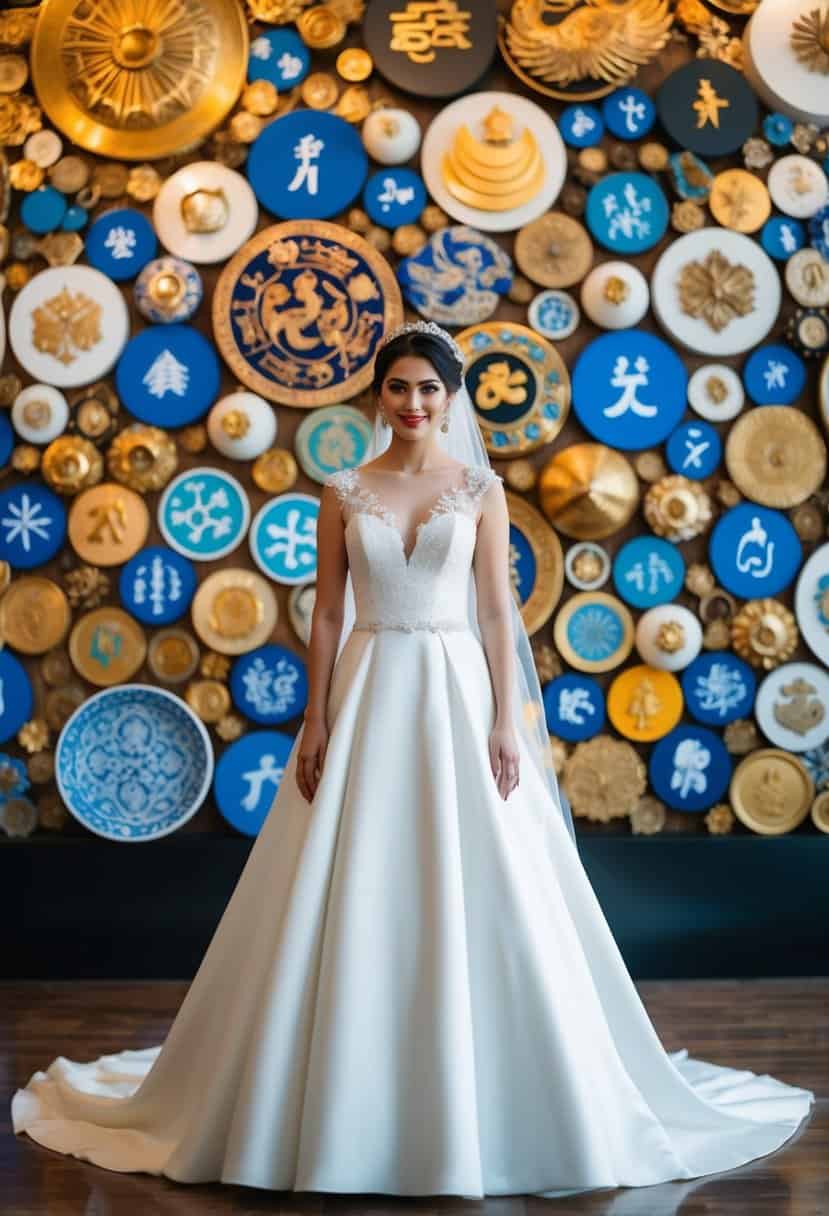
588, 491
496, 173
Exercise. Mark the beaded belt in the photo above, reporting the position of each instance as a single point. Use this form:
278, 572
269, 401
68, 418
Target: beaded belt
411, 626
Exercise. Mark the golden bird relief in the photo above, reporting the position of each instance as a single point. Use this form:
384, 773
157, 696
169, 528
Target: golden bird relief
552, 44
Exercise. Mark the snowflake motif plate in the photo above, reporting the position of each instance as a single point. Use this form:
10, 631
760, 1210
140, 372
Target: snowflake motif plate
457, 278
269, 685
648, 571
157, 585
811, 603
627, 212
168, 375
519, 386
32, 525
719, 687
283, 538
68, 325
248, 776
204, 514
574, 707
754, 551
16, 696
133, 763
792, 707
690, 768
299, 311
629, 389
120, 243
594, 631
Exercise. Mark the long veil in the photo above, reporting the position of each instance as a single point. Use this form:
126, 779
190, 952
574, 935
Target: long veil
463, 442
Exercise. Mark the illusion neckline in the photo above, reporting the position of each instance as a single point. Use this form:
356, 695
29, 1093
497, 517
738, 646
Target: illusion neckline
387, 516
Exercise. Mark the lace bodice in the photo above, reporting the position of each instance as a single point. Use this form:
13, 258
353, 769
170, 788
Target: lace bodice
428, 588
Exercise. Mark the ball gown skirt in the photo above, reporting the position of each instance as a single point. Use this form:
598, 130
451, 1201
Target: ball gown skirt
413, 989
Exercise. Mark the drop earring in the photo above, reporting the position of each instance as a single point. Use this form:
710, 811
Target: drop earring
444, 426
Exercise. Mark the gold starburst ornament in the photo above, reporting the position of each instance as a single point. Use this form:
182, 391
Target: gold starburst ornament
810, 40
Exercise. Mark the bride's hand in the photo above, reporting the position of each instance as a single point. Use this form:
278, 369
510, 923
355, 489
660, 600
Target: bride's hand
311, 757
504, 757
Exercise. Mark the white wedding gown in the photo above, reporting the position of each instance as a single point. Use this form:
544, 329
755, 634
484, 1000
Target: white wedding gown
413, 989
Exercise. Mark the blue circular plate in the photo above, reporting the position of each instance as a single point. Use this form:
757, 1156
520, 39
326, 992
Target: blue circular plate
718, 687
42, 210
269, 685
581, 126
133, 763
690, 768
6, 439
774, 375
754, 551
168, 375
120, 243
307, 165
648, 571
157, 585
627, 212
629, 389
279, 56
32, 525
18, 699
394, 196
629, 113
574, 707
248, 776
204, 514
283, 538
781, 236
694, 449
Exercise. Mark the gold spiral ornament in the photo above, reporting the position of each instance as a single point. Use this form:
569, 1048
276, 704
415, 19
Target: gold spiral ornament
138, 79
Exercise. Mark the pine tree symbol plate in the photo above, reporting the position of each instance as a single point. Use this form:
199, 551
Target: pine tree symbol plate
204, 514
299, 312
168, 375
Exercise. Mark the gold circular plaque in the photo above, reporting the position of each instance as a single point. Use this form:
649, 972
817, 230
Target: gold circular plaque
775, 455
107, 646
234, 610
108, 524
771, 791
34, 615
139, 80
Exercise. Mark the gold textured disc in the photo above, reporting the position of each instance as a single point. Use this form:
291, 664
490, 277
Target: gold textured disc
775, 455
355, 64
34, 615
234, 610
771, 790
138, 80
554, 250
173, 656
588, 491
739, 200
108, 524
107, 646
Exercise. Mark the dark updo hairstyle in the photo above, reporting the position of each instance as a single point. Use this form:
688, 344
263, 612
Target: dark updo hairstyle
423, 346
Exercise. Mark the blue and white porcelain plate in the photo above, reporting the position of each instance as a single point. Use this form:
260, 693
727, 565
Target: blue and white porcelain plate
248, 776
269, 685
168, 375
627, 212
457, 278
307, 165
690, 768
554, 314
157, 585
168, 290
133, 763
629, 389
283, 538
648, 571
204, 513
32, 525
754, 551
718, 687
574, 707
120, 243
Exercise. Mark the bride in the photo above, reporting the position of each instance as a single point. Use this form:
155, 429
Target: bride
413, 989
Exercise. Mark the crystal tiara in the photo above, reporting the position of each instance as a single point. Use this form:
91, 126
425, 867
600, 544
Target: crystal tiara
426, 327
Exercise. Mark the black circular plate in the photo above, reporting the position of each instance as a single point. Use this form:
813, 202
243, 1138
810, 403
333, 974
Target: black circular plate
432, 48
707, 107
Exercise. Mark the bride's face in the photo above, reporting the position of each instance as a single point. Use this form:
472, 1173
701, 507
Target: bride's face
413, 397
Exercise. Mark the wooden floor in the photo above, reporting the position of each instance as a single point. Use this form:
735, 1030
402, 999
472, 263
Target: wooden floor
779, 1027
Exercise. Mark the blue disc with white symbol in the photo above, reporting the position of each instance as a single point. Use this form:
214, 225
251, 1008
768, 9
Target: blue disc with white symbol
6, 439
457, 278
283, 538
74, 219
32, 525
629, 389
694, 449
157, 585
17, 700
279, 56
394, 196
120, 243
307, 165
628, 113
648, 571
204, 513
774, 375
754, 551
627, 212
718, 687
690, 768
269, 685
168, 375
581, 126
781, 236
574, 707
42, 210
248, 776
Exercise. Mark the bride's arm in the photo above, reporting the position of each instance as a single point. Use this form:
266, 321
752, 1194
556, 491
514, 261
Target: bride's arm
327, 619
493, 592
